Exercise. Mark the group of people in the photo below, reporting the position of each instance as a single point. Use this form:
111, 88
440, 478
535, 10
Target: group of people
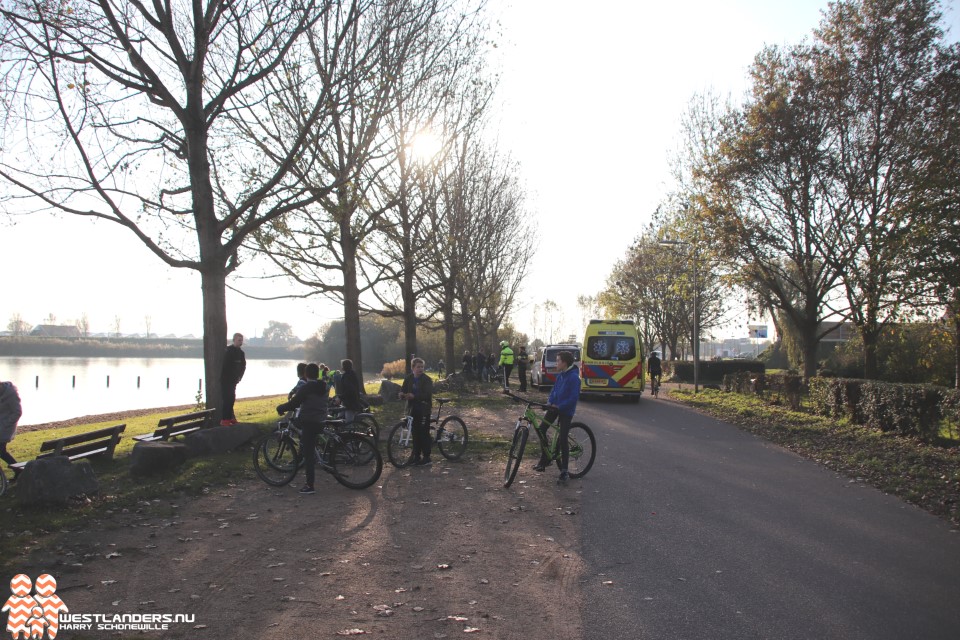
311, 398
497, 367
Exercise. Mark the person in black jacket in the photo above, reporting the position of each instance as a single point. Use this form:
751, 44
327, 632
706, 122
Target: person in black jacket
417, 390
234, 366
311, 399
350, 391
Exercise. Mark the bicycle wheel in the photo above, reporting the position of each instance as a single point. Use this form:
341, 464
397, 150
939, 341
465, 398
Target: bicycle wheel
516, 454
452, 437
370, 419
400, 445
276, 458
355, 460
583, 449
367, 426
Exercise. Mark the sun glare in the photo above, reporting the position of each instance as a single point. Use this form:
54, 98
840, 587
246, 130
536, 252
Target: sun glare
425, 145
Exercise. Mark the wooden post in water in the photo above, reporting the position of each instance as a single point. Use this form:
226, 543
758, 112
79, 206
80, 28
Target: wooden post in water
74, 382
168, 383
138, 382
108, 382
36, 384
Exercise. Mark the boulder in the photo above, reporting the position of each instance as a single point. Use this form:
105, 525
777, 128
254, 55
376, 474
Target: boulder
389, 391
55, 480
219, 439
149, 458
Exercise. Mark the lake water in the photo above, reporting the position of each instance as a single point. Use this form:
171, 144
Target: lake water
63, 388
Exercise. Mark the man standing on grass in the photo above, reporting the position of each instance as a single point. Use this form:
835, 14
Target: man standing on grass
234, 366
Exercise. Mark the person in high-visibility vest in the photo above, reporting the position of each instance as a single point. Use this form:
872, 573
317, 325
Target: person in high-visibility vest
506, 362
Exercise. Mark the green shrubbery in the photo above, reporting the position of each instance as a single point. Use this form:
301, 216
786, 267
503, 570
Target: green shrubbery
906, 409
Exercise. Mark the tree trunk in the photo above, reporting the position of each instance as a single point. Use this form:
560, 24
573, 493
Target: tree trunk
351, 298
956, 338
213, 286
449, 328
809, 346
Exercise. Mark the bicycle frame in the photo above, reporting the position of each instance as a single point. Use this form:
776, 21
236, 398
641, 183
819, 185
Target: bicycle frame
531, 418
407, 436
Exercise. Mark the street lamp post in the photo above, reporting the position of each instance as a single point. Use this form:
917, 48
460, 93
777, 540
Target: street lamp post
696, 313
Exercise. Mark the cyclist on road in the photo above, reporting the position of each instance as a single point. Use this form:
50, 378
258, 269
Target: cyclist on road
562, 404
311, 398
654, 369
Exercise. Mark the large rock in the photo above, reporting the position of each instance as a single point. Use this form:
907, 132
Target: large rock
149, 458
55, 480
389, 391
219, 439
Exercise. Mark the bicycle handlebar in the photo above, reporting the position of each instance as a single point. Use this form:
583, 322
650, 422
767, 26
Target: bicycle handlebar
529, 402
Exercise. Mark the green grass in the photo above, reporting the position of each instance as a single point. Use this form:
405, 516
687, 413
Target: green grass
21, 525
920, 473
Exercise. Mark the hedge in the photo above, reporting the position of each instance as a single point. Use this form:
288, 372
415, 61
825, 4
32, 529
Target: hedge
907, 409
714, 370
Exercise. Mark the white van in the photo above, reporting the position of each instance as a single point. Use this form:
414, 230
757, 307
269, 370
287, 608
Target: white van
543, 372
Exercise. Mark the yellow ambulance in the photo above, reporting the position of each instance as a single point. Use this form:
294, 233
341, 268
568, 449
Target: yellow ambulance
612, 360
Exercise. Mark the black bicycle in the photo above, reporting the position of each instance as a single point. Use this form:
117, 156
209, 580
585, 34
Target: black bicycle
351, 458
450, 436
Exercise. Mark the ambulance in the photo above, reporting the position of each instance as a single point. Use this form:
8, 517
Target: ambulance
612, 360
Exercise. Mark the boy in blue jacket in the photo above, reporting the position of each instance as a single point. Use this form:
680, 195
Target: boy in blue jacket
562, 403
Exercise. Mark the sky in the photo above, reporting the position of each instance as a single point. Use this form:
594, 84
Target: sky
589, 102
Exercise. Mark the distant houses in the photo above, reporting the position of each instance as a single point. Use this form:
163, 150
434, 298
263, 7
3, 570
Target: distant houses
55, 331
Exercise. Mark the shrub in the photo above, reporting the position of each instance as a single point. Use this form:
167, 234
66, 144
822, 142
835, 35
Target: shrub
950, 409
787, 387
395, 369
907, 409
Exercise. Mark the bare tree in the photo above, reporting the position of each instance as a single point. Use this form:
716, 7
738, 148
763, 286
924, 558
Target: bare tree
147, 104
428, 95
83, 326
18, 326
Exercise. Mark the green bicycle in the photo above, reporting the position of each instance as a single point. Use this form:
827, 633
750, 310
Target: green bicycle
583, 444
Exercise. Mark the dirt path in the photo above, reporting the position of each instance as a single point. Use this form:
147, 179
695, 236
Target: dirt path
426, 553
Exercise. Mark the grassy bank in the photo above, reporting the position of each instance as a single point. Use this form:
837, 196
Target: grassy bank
919, 473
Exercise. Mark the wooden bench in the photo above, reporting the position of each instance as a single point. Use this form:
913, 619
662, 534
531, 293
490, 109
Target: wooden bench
178, 426
82, 445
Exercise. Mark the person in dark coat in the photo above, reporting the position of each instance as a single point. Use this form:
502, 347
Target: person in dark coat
234, 366
522, 359
311, 399
480, 365
10, 412
467, 364
350, 391
417, 390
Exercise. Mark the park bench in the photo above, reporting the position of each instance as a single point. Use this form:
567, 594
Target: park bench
81, 445
178, 426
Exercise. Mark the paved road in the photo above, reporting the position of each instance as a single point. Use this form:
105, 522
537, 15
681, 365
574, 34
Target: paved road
704, 531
